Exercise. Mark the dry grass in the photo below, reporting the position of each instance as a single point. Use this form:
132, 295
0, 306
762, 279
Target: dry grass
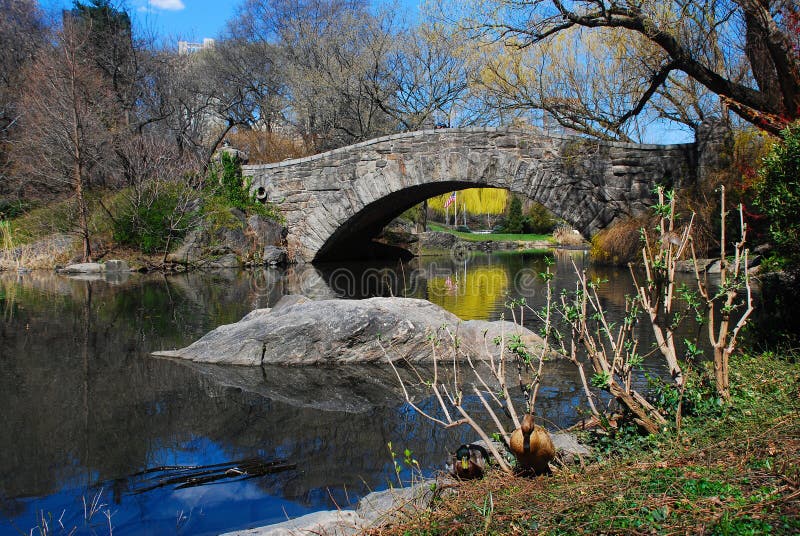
565, 236
746, 488
267, 147
622, 242
43, 254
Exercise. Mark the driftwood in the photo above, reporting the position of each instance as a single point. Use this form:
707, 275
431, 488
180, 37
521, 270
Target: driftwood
191, 476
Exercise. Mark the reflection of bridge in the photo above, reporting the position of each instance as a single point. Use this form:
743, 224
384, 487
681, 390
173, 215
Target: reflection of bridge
336, 202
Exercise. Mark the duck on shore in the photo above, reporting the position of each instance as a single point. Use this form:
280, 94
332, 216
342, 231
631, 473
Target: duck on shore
468, 462
532, 446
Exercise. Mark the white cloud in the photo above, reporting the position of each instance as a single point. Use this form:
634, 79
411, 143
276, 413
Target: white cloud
169, 5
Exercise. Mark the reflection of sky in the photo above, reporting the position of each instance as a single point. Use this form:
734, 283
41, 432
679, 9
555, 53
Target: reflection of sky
207, 509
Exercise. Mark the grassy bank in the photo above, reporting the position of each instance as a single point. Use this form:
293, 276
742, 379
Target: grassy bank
737, 472
492, 237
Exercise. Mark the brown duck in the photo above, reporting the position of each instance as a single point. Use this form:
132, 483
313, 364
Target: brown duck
532, 447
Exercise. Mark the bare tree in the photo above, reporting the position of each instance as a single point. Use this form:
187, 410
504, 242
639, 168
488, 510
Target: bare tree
428, 78
22, 30
740, 50
63, 136
335, 64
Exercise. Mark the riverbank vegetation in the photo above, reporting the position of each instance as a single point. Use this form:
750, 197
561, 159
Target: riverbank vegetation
629, 488
730, 470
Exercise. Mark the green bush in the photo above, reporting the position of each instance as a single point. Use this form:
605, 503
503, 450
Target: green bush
227, 185
12, 208
514, 221
539, 220
150, 226
778, 197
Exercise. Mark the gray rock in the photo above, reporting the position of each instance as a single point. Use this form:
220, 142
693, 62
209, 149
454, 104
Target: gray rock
274, 255
383, 507
345, 331
116, 266
238, 214
687, 266
266, 232
374, 510
191, 249
229, 260
714, 267
233, 240
568, 449
329, 523
83, 268
288, 301
436, 240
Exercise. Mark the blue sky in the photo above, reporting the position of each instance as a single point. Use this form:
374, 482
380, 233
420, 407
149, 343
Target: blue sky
185, 19
171, 19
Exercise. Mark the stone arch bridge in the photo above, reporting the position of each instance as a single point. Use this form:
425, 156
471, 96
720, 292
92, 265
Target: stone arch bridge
336, 202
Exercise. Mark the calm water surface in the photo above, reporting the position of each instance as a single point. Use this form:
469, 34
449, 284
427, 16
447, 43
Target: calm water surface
87, 414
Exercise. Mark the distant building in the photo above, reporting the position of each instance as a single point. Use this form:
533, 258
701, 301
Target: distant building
186, 47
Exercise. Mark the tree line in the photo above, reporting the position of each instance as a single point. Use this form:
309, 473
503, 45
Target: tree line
89, 103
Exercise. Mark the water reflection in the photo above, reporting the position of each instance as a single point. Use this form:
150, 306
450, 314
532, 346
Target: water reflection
85, 406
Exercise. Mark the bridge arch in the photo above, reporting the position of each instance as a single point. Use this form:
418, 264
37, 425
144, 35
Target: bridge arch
336, 202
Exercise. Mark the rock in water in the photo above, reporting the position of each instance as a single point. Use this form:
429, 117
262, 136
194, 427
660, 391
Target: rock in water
298, 331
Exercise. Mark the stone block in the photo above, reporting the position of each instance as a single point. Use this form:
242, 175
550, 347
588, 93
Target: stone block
274, 255
116, 266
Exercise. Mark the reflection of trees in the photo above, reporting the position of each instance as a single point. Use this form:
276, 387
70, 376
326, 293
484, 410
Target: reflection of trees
471, 295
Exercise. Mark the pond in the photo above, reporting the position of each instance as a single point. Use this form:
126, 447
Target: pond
88, 416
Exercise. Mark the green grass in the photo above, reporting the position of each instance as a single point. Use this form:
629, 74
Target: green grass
734, 473
500, 237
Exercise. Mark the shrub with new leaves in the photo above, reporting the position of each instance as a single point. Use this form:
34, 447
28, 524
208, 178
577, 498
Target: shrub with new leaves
779, 197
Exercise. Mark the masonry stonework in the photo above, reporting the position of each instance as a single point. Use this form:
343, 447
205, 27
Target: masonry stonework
335, 202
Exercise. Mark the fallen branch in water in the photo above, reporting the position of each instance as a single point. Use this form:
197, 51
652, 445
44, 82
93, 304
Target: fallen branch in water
191, 476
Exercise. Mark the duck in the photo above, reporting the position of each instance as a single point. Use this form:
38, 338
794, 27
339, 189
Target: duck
532, 446
468, 462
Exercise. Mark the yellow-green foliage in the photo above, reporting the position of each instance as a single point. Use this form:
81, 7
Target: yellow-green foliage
37, 223
218, 215
478, 201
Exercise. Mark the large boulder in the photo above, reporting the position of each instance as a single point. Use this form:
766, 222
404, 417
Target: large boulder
273, 255
298, 331
265, 231
191, 249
